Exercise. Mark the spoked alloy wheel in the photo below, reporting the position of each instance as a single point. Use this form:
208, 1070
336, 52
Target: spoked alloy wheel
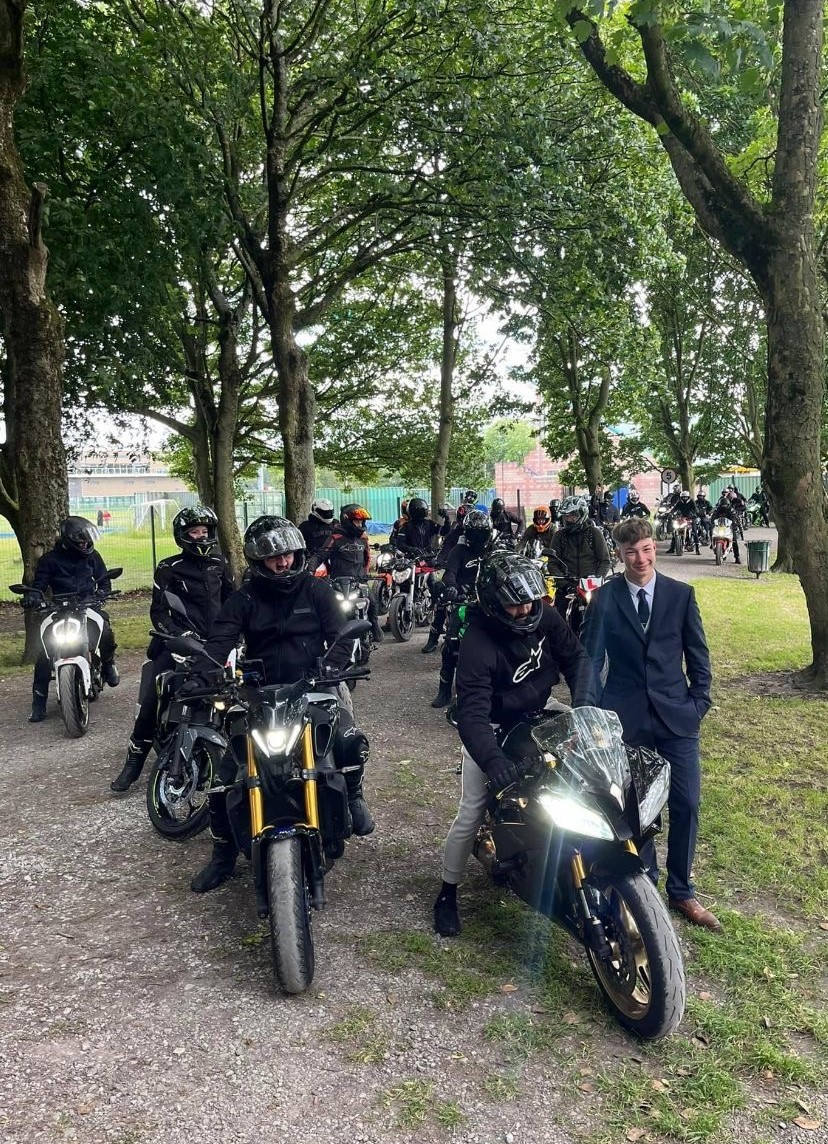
382, 594
423, 611
400, 619
644, 979
179, 808
291, 936
74, 706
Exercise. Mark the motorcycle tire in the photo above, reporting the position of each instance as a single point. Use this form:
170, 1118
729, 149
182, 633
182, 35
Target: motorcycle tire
400, 619
74, 706
291, 936
183, 810
718, 554
679, 544
647, 992
382, 595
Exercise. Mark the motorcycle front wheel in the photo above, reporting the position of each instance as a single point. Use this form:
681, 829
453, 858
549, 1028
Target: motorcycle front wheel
679, 544
382, 595
643, 980
718, 553
291, 936
179, 808
400, 619
74, 706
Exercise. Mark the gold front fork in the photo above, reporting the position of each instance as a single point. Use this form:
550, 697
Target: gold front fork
254, 793
309, 768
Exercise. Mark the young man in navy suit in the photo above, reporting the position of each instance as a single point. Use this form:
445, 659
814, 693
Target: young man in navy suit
649, 629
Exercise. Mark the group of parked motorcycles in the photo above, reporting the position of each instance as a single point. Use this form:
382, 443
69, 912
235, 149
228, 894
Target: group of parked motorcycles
565, 839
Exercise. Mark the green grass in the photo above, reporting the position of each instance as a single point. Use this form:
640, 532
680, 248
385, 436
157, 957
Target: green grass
413, 1103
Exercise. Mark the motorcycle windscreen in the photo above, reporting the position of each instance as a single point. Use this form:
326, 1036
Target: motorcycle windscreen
588, 749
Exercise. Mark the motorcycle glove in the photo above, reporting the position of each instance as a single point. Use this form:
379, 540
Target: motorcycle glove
194, 684
503, 772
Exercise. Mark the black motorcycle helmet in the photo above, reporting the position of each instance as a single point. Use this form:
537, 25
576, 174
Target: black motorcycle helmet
497, 506
352, 517
470, 496
191, 518
477, 531
507, 578
607, 497
78, 534
275, 536
417, 509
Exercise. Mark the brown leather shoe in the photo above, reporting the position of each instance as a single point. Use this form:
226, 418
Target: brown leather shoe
695, 913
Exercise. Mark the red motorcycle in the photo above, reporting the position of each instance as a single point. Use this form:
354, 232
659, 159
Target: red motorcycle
722, 540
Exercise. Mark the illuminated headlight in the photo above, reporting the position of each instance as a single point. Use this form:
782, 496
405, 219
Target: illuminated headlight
279, 741
401, 577
345, 602
66, 631
571, 815
654, 799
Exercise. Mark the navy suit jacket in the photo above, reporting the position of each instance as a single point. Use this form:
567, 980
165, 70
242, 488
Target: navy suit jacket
665, 671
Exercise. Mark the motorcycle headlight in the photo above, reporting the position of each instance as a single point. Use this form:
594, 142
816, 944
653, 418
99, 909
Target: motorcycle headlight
278, 741
652, 802
66, 631
571, 815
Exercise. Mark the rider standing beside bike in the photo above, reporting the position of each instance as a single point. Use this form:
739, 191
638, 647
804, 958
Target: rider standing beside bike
73, 567
346, 553
287, 618
200, 576
511, 656
579, 546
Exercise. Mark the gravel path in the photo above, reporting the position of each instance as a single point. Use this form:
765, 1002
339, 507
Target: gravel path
134, 1011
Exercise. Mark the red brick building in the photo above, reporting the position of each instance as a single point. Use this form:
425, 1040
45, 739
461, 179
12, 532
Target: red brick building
536, 481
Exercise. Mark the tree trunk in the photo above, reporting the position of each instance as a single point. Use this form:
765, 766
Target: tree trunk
439, 462
297, 406
227, 421
34, 488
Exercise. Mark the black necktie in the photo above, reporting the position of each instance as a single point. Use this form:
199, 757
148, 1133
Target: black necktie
643, 608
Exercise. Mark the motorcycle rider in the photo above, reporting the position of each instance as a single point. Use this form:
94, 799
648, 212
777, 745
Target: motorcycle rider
445, 514
287, 618
554, 510
608, 514
725, 510
703, 510
419, 534
634, 506
760, 497
504, 522
200, 576
399, 523
318, 526
594, 504
457, 585
511, 655
72, 567
537, 534
579, 546
346, 552
685, 506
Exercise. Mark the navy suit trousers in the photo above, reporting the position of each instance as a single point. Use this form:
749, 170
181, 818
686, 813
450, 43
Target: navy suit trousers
683, 804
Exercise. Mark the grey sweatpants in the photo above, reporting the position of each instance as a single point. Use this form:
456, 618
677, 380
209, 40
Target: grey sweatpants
474, 796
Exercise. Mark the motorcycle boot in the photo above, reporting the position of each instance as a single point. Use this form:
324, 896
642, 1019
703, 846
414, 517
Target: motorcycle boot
38, 708
136, 756
110, 674
362, 821
446, 915
431, 643
220, 867
443, 696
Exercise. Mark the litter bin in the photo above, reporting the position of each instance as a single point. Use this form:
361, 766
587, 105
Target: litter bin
758, 556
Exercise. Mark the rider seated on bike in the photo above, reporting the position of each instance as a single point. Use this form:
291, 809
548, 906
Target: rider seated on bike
287, 618
72, 567
347, 553
318, 526
538, 533
504, 522
200, 576
511, 656
685, 506
725, 510
579, 546
458, 585
608, 514
634, 506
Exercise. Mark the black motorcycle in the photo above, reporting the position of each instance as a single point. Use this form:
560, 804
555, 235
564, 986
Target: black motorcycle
288, 807
70, 632
566, 840
352, 596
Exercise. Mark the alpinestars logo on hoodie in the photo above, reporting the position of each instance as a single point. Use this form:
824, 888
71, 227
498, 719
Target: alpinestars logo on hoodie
529, 665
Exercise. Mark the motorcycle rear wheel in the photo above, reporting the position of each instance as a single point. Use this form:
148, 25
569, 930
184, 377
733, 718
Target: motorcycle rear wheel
74, 706
400, 619
647, 989
291, 936
181, 809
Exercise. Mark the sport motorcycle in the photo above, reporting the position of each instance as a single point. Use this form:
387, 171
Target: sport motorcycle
566, 840
412, 604
722, 540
